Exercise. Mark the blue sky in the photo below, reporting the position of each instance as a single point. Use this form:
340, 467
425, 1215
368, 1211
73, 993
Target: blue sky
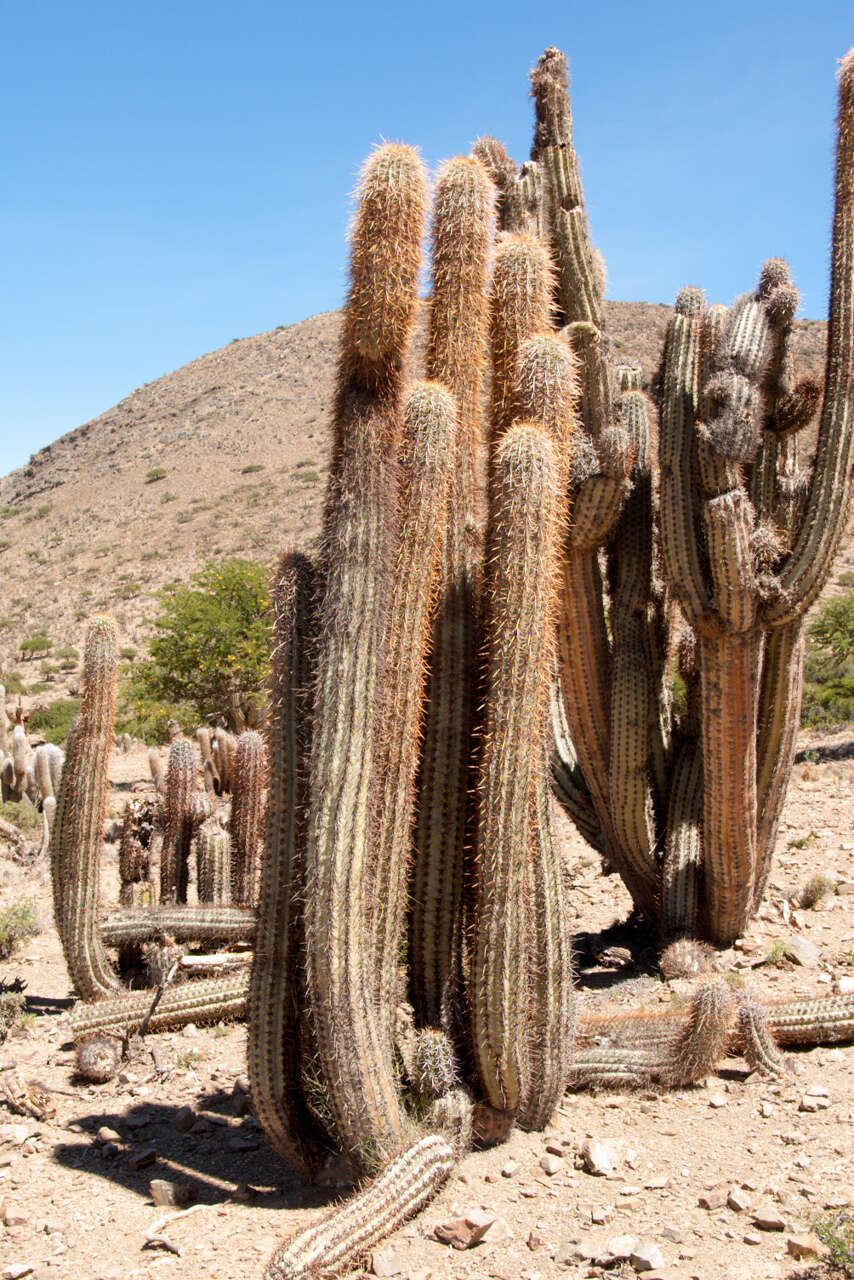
178, 174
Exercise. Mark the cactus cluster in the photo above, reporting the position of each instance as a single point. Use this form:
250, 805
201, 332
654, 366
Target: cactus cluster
500, 596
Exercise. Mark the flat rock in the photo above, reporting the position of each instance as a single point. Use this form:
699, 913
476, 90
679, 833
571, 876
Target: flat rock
550, 1165
803, 952
807, 1246
714, 1199
16, 1135
597, 1157
738, 1200
646, 1256
170, 1194
768, 1219
385, 1262
812, 1102
17, 1270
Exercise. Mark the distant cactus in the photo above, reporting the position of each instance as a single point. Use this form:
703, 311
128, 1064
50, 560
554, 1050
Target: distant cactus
247, 816
178, 821
213, 865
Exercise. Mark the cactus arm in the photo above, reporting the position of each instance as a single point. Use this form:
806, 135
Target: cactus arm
76, 840
407, 1184
213, 866
683, 851
462, 237
779, 715
520, 305
275, 1047
178, 822
358, 565
729, 688
184, 924
247, 815
568, 781
551, 995
679, 517
202, 1001
430, 427
523, 548
805, 570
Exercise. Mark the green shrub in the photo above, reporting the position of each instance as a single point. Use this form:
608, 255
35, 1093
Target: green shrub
148, 718
38, 643
829, 669
17, 923
251, 468
156, 473
22, 815
12, 682
55, 721
212, 641
838, 1235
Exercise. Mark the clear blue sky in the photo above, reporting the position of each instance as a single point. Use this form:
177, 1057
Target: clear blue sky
178, 174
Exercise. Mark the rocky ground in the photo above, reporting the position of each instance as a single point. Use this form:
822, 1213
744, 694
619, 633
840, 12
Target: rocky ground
721, 1180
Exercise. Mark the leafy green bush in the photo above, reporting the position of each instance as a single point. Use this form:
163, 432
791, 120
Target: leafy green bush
17, 923
150, 719
12, 682
156, 473
22, 815
55, 721
838, 1235
212, 642
829, 668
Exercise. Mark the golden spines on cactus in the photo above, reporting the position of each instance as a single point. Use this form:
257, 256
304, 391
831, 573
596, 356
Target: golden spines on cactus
77, 836
406, 1185
524, 543
456, 350
521, 306
359, 548
427, 453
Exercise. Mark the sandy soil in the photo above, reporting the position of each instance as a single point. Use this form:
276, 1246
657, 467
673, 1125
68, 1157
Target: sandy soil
76, 1204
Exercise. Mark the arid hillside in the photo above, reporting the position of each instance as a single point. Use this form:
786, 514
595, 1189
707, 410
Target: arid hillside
226, 456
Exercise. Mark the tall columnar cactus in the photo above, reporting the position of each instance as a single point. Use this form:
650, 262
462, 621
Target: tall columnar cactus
77, 837
178, 821
247, 815
746, 540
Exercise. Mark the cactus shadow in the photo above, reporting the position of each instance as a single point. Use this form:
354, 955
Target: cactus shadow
224, 1163
623, 952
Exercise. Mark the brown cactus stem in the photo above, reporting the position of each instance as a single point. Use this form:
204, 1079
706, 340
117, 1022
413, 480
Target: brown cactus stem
77, 836
551, 995
430, 428
683, 850
247, 815
805, 571
462, 237
729, 690
520, 591
360, 540
407, 1184
275, 1049
568, 780
779, 715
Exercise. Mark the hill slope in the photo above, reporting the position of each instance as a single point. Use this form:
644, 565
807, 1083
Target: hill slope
241, 438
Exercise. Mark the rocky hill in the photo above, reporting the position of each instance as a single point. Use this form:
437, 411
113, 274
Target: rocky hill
226, 456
